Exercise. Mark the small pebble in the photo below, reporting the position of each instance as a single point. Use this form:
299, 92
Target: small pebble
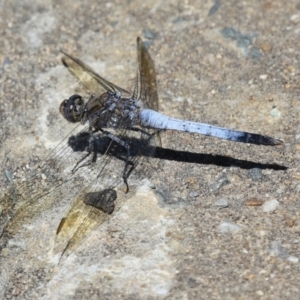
263, 76
234, 178
265, 47
228, 227
291, 69
245, 251
295, 18
6, 62
262, 232
270, 206
293, 259
254, 52
275, 113
193, 194
9, 175
149, 34
222, 202
218, 184
14, 243
254, 202
5, 252
276, 249
255, 174
290, 222
152, 186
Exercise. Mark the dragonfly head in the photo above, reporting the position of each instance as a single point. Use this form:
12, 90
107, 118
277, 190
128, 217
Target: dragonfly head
72, 108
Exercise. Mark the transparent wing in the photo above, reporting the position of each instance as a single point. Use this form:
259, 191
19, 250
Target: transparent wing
92, 188
106, 175
146, 87
94, 83
41, 184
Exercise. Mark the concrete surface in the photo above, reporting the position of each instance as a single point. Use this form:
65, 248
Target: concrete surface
223, 219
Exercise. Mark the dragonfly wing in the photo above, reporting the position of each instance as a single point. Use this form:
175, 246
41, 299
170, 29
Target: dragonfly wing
94, 83
42, 184
92, 205
146, 86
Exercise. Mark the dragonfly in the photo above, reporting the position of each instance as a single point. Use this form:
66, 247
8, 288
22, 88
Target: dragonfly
117, 132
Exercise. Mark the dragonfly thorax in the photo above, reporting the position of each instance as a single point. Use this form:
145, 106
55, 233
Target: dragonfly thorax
96, 106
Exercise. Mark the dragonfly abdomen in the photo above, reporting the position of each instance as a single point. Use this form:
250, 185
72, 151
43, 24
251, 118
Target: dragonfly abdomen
156, 120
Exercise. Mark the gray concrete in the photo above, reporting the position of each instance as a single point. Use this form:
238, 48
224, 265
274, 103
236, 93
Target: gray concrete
234, 64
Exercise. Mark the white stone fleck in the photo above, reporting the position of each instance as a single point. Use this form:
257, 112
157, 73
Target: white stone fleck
295, 18
262, 232
275, 113
263, 76
270, 206
15, 243
178, 99
277, 249
222, 202
293, 259
228, 227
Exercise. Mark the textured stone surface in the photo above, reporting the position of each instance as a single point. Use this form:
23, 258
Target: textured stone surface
229, 63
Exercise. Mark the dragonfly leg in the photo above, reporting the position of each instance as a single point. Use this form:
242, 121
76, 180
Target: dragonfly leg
91, 149
128, 163
150, 135
137, 129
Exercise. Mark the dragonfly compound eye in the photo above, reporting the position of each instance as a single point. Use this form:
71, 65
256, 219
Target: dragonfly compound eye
72, 108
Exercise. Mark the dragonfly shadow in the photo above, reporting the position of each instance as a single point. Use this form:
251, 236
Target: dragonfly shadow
210, 159
80, 143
